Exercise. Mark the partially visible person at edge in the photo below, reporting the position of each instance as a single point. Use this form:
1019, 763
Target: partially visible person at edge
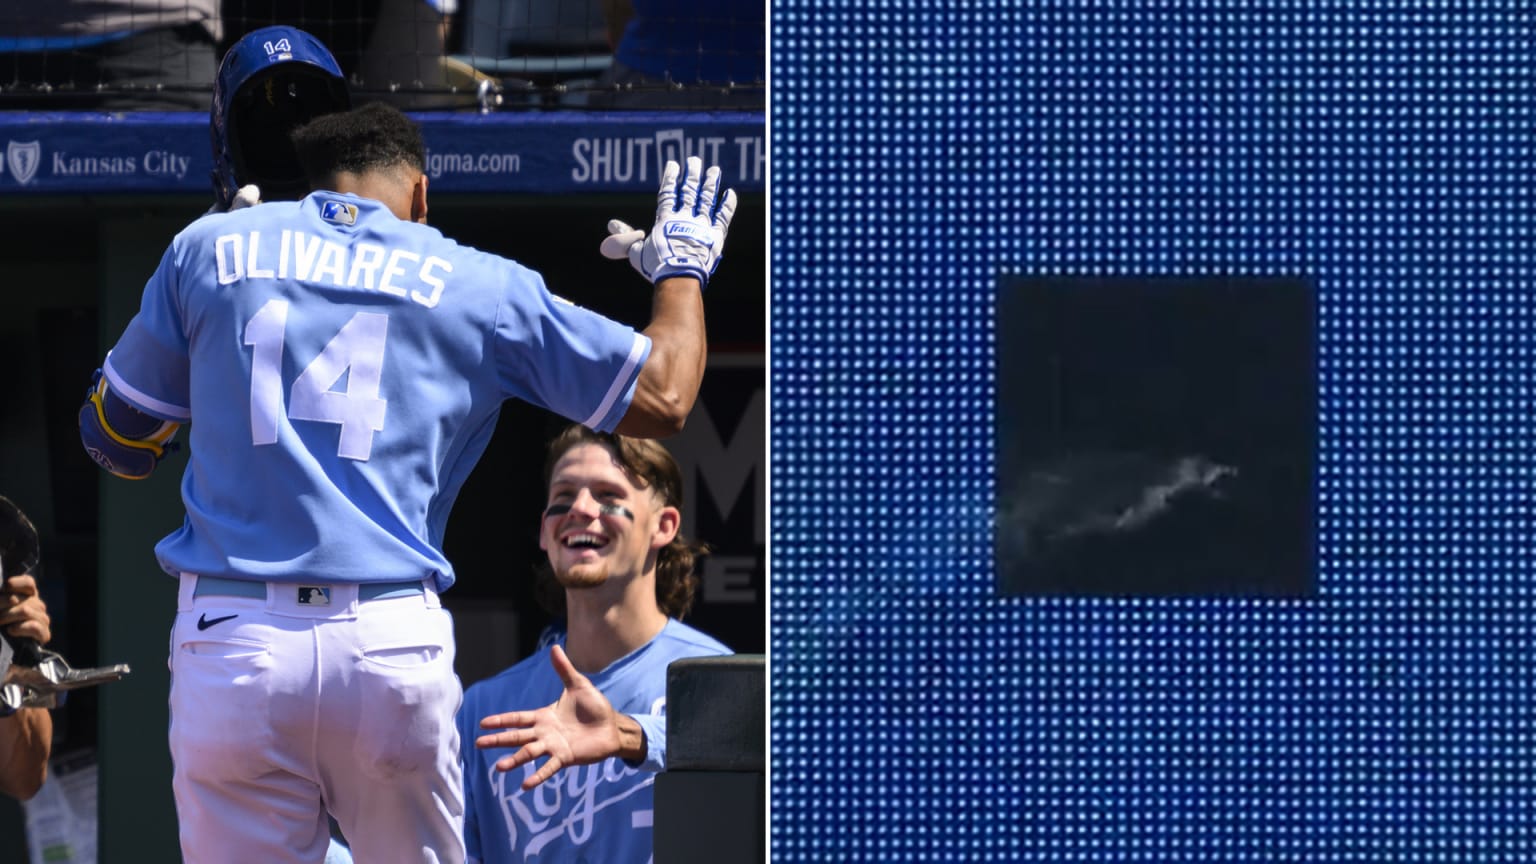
346, 365
623, 578
26, 734
669, 54
108, 55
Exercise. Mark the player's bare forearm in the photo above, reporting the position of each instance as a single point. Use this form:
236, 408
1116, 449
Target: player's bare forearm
631, 739
25, 739
669, 381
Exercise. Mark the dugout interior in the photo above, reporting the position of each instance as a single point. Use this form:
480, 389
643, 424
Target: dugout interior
78, 263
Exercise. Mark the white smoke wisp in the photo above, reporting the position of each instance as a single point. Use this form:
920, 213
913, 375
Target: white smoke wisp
1187, 474
1101, 494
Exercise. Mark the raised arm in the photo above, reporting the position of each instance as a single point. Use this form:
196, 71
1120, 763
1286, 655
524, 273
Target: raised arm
669, 381
679, 255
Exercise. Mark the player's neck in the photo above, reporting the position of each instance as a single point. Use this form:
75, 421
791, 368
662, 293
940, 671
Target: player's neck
383, 187
601, 629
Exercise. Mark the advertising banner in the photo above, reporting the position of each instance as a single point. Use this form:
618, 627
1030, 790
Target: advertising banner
549, 152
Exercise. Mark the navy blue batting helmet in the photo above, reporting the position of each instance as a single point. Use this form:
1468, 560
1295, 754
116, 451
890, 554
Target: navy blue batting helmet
271, 81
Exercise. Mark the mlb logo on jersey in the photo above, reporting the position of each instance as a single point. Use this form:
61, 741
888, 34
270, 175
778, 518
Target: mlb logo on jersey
339, 212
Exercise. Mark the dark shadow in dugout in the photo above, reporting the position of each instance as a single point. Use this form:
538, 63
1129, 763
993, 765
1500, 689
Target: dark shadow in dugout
1157, 436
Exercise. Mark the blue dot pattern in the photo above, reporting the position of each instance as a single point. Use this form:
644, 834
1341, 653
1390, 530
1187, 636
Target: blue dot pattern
923, 151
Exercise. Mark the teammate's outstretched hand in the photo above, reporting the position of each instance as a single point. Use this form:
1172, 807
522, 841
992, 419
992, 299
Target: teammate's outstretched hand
693, 215
579, 728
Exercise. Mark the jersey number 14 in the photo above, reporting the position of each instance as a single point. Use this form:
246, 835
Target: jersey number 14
357, 351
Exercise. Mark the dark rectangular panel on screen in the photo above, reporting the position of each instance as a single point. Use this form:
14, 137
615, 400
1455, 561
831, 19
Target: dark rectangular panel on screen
1156, 436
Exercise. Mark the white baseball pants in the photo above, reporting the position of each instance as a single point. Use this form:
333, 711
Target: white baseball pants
305, 699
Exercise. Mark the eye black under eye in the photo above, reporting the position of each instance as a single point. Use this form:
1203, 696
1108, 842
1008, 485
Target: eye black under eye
617, 510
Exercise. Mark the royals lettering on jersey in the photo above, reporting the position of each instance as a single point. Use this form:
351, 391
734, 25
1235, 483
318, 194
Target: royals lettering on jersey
600, 812
569, 808
315, 260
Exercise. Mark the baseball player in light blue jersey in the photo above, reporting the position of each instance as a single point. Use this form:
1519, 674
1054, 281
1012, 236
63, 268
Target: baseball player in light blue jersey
342, 366
579, 786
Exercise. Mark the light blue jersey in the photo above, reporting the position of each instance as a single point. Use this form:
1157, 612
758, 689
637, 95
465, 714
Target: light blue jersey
595, 813
347, 368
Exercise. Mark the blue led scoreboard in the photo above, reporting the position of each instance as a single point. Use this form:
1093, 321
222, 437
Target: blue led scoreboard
933, 161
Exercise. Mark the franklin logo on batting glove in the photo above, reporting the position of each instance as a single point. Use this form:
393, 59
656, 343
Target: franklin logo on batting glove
693, 215
683, 229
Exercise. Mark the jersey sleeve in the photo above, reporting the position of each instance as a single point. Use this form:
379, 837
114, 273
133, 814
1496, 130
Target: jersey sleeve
562, 357
149, 366
655, 728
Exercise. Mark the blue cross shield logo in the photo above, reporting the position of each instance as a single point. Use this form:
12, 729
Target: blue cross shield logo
23, 157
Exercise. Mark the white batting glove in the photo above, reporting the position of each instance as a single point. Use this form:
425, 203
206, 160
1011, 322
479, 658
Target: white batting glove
248, 195
624, 242
692, 218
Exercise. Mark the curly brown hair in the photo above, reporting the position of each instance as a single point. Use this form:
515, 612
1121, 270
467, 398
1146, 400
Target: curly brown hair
649, 466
